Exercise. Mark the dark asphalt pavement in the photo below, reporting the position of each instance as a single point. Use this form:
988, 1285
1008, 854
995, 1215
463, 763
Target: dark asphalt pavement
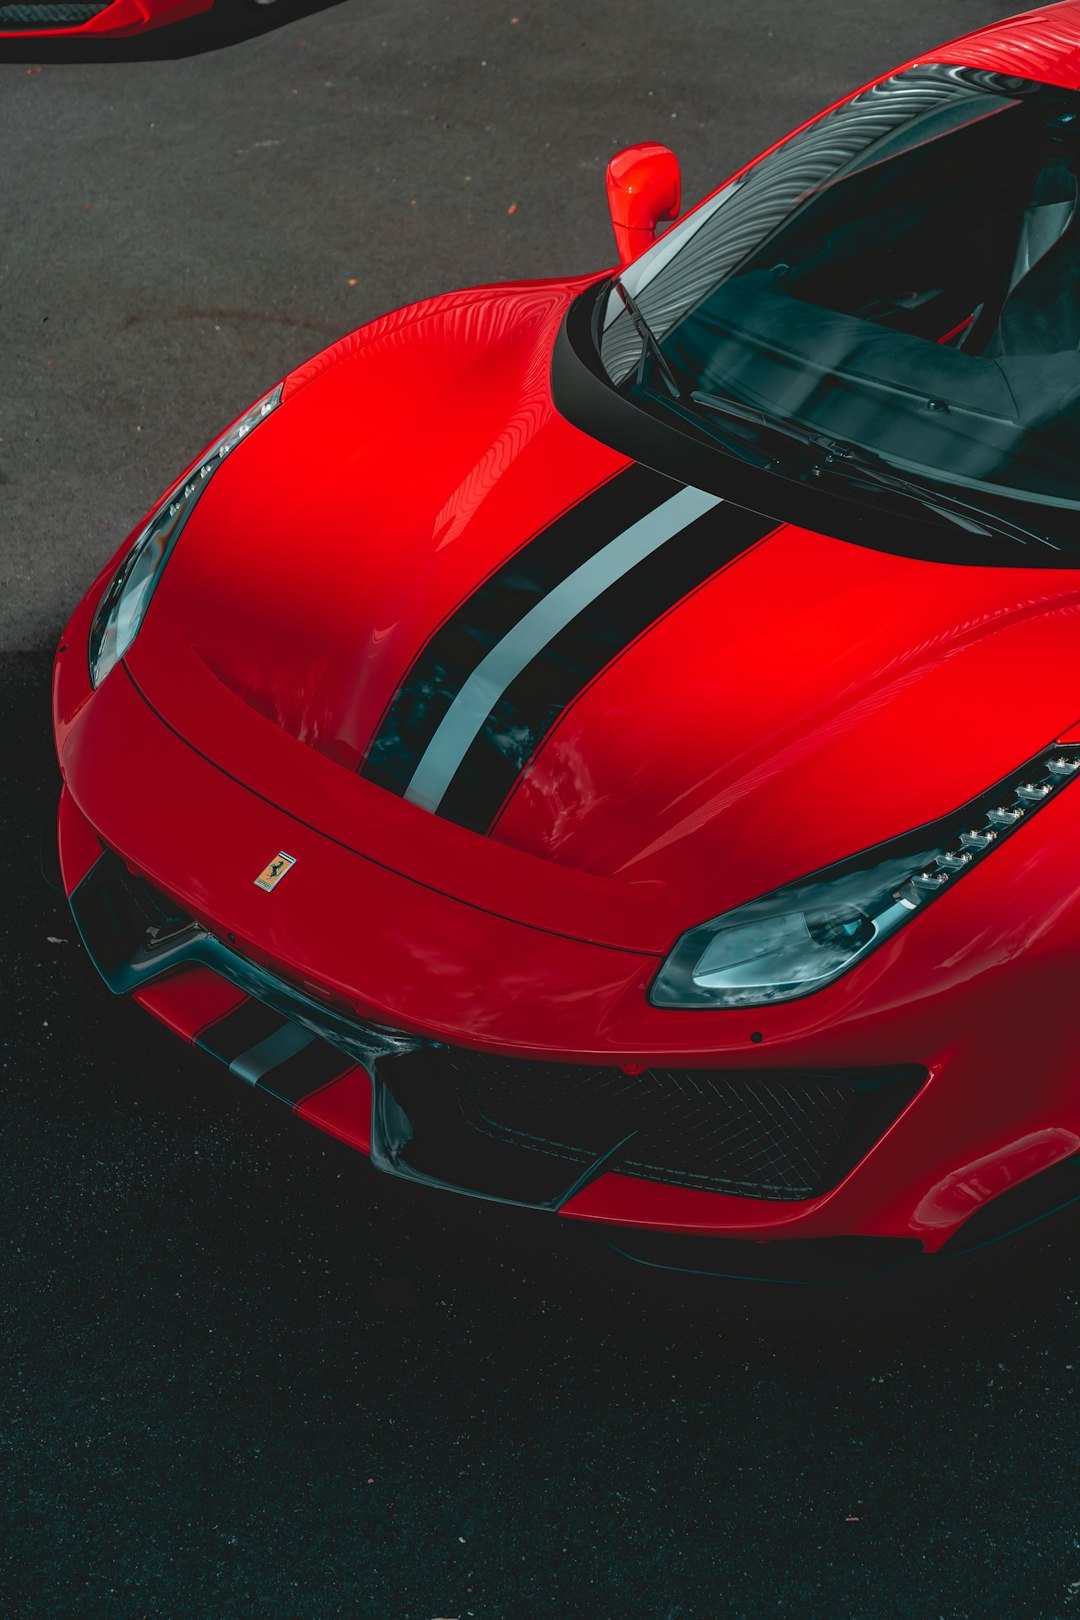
244, 1376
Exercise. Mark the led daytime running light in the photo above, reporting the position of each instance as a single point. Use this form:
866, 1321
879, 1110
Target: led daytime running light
977, 841
123, 605
797, 939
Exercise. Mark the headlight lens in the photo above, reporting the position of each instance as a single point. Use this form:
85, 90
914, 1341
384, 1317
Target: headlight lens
123, 605
795, 940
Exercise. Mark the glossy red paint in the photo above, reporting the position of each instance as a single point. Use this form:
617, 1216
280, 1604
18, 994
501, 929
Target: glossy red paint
342, 1109
260, 679
120, 18
891, 645
78, 845
1042, 44
644, 187
188, 1001
328, 551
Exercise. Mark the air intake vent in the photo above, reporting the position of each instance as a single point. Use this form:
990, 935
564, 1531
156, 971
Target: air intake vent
523, 1130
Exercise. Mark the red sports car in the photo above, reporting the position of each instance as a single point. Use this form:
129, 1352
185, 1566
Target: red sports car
100, 19
607, 745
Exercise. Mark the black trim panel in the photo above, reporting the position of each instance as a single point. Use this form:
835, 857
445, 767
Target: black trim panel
585, 397
309, 1071
248, 1025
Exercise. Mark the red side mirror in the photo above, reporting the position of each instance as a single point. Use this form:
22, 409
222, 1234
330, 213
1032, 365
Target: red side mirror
643, 187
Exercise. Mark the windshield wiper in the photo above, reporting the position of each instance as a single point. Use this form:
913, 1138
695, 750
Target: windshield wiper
650, 342
774, 424
851, 463
854, 465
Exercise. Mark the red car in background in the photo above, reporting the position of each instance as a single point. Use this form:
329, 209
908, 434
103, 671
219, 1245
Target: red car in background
607, 745
101, 19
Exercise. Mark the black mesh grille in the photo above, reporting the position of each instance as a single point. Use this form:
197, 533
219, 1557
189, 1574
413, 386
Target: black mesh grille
773, 1134
60, 14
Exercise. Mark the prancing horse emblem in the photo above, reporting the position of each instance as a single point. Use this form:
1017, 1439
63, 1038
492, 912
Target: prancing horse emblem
272, 874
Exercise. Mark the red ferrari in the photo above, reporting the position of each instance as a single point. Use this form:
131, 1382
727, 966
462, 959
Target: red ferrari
101, 19
606, 745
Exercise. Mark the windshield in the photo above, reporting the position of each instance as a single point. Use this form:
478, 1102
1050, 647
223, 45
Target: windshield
902, 278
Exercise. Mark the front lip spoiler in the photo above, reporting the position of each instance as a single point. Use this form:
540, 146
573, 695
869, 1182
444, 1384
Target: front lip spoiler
129, 956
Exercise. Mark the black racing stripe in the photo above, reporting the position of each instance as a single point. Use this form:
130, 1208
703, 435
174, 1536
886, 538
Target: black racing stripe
533, 703
291, 1080
240, 1030
306, 1072
484, 618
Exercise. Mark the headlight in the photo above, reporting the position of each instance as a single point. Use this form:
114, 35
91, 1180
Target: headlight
123, 605
795, 940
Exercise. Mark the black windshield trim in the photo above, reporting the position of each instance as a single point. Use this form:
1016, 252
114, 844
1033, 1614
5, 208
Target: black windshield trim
585, 396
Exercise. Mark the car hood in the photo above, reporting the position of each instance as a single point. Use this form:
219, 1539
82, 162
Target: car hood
424, 613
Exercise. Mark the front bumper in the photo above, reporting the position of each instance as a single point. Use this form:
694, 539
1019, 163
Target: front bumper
398, 1098
383, 971
518, 1131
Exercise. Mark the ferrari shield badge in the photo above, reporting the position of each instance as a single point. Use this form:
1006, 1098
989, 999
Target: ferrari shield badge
273, 872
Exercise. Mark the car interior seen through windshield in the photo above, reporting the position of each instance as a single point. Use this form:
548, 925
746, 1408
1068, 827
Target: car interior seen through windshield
898, 284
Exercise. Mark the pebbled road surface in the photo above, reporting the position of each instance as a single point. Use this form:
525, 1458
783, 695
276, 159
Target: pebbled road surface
243, 1376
